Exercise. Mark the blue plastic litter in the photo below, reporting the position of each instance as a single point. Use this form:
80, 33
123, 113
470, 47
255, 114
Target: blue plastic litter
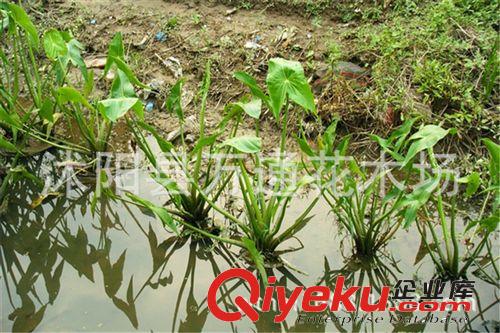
161, 36
258, 38
93, 21
150, 106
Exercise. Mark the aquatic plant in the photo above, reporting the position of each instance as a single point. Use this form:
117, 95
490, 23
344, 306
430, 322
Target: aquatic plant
261, 226
450, 261
190, 206
95, 119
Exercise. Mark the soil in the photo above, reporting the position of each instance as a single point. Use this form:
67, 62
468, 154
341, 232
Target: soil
195, 32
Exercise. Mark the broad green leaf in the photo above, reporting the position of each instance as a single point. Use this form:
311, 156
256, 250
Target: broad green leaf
160, 212
418, 198
121, 65
23, 20
203, 142
473, 182
305, 147
121, 86
425, 138
245, 144
494, 151
252, 108
401, 133
252, 84
488, 225
256, 256
47, 111
174, 100
115, 108
69, 94
74, 55
54, 44
115, 50
286, 78
6, 145
9, 119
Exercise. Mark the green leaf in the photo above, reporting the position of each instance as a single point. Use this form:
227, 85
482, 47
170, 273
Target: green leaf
305, 147
251, 83
23, 20
252, 108
165, 146
115, 50
9, 119
245, 144
256, 256
121, 86
488, 225
494, 151
69, 94
160, 212
473, 182
418, 198
7, 145
54, 44
74, 55
115, 108
121, 65
286, 78
203, 142
174, 100
47, 111
425, 138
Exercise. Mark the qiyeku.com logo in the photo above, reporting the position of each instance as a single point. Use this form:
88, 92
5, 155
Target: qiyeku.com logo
318, 299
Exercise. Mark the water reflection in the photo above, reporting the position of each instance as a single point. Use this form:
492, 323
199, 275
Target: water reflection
137, 266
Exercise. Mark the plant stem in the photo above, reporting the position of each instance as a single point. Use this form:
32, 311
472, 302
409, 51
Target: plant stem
442, 217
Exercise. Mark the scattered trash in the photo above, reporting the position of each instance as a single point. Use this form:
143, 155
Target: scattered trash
142, 44
150, 106
258, 38
285, 37
93, 22
309, 35
231, 11
95, 62
252, 45
156, 84
160, 36
173, 64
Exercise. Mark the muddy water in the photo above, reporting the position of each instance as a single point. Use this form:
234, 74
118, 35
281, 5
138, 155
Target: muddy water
66, 268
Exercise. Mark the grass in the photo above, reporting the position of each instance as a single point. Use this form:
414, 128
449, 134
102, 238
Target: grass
436, 53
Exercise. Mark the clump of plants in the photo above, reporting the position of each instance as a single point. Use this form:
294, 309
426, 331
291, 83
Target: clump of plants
190, 203
438, 58
259, 230
95, 118
436, 214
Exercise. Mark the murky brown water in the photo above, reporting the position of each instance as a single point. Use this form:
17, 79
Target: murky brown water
66, 269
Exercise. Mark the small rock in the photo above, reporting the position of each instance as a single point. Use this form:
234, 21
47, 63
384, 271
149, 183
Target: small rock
349, 69
111, 75
95, 62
